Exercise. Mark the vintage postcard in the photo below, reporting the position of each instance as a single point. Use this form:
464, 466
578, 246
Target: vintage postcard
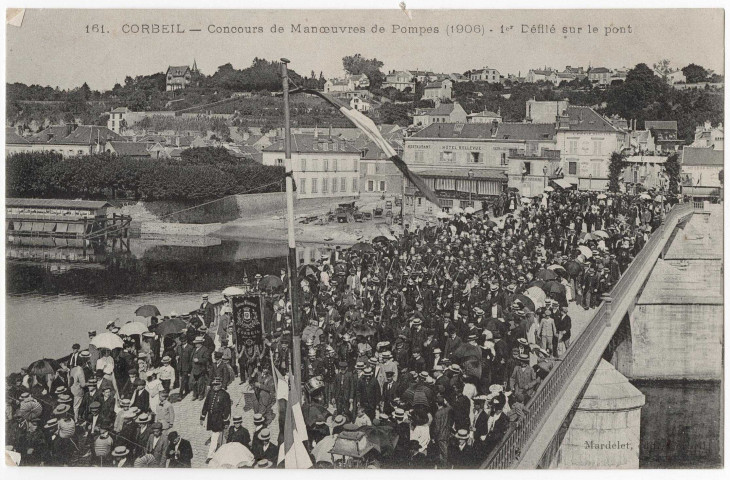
427, 239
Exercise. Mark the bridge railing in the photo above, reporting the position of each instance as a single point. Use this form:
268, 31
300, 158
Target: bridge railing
509, 450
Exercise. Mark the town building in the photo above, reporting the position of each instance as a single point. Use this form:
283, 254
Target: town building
131, 150
377, 173
484, 117
672, 77
530, 171
644, 172
544, 111
349, 83
443, 113
642, 141
322, 165
116, 122
458, 77
486, 74
438, 91
466, 163
539, 75
665, 134
400, 80
707, 136
701, 169
179, 77
69, 140
422, 76
360, 105
586, 141
600, 76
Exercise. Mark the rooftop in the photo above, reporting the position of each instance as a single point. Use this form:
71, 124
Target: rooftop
12, 137
303, 143
693, 156
504, 131
588, 120
130, 149
79, 135
477, 173
660, 124
177, 71
55, 203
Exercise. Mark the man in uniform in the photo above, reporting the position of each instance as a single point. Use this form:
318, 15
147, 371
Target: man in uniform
201, 359
217, 410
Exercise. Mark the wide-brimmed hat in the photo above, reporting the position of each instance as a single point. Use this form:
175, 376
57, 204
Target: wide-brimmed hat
264, 434
143, 418
51, 423
120, 451
65, 398
258, 418
462, 434
339, 420
61, 409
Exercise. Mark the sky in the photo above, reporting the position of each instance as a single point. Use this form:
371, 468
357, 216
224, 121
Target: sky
52, 47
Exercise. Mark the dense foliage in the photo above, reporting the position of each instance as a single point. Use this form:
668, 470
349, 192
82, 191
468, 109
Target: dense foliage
201, 173
673, 170
616, 166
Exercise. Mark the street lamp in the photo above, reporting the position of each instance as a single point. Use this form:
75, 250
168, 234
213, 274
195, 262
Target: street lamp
544, 174
471, 176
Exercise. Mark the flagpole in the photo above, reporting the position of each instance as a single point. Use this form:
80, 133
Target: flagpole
292, 257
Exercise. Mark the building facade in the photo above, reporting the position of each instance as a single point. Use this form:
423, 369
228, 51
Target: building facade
400, 80
701, 169
441, 90
466, 164
707, 136
178, 78
444, 113
484, 117
322, 165
69, 140
486, 74
378, 175
600, 76
544, 111
586, 141
530, 171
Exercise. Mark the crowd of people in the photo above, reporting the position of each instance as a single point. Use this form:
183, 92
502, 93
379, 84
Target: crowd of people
436, 339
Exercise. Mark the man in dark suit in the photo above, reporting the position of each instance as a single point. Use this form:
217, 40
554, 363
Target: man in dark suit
460, 452
389, 393
74, 360
199, 371
481, 428
265, 449
237, 433
219, 369
207, 310
563, 326
217, 411
344, 391
184, 365
497, 424
179, 451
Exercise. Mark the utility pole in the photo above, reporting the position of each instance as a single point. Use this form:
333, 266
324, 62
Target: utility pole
292, 257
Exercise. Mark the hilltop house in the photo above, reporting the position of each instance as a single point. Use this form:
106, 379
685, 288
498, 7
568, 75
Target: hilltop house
444, 113
665, 134
347, 84
707, 136
180, 77
440, 90
399, 80
486, 74
599, 76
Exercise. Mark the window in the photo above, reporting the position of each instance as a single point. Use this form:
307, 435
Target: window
302, 185
354, 165
573, 146
314, 185
503, 159
371, 185
419, 201
334, 184
447, 157
343, 184
280, 161
382, 186
418, 156
572, 168
371, 169
596, 168
326, 163
465, 203
526, 168
303, 163
446, 202
334, 164
596, 147
325, 186
81, 152
355, 185
475, 157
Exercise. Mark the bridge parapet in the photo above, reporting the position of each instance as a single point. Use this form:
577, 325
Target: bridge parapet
569, 377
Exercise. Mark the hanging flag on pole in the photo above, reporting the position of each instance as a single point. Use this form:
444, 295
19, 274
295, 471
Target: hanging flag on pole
371, 130
292, 451
280, 383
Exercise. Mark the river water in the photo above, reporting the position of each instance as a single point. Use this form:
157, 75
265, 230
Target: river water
51, 305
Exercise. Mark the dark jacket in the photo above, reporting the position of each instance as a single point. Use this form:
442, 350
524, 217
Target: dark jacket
183, 456
239, 435
217, 409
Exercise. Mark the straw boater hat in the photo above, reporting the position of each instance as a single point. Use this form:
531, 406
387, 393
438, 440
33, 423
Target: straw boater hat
462, 434
339, 420
264, 435
258, 419
61, 409
120, 451
263, 463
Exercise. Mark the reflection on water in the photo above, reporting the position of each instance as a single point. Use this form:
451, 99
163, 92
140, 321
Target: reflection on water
681, 424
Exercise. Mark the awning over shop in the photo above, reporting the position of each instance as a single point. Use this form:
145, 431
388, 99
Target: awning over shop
563, 183
49, 227
62, 228
75, 228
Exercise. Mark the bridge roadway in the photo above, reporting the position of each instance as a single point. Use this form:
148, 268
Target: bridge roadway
525, 445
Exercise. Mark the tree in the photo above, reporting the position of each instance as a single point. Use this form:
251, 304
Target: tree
672, 168
615, 168
694, 73
662, 68
370, 67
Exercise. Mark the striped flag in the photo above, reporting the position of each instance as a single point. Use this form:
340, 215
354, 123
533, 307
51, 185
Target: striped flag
371, 130
280, 383
292, 451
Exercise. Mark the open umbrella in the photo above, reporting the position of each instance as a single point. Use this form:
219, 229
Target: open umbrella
107, 340
457, 210
536, 283
601, 197
526, 301
231, 291
362, 247
645, 196
556, 267
549, 189
147, 311
232, 455
133, 328
308, 271
554, 288
490, 224
537, 295
171, 326
382, 239
442, 214
600, 233
573, 268
546, 274
469, 210
45, 366
270, 282
466, 350
585, 251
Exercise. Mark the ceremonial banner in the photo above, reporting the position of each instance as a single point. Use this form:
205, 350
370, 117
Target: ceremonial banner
247, 319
